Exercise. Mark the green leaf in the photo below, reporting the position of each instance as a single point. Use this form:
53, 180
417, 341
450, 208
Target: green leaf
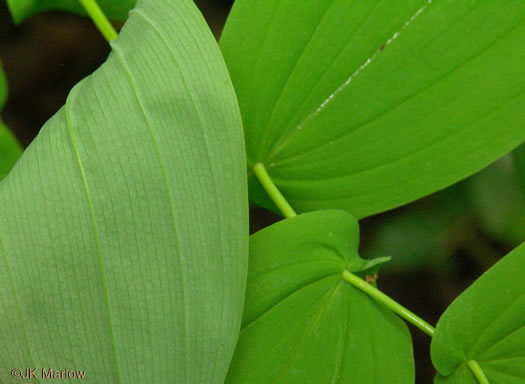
124, 226
485, 324
368, 105
302, 323
10, 149
22, 9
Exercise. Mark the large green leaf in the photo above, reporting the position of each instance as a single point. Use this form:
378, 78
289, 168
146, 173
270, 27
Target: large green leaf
22, 9
124, 233
367, 105
485, 324
10, 150
302, 323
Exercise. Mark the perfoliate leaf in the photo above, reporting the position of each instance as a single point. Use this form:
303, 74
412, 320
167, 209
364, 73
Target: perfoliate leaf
10, 149
485, 324
123, 227
368, 105
22, 9
302, 323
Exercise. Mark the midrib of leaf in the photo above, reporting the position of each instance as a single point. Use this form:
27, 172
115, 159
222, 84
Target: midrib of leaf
3, 250
355, 129
409, 155
358, 28
281, 142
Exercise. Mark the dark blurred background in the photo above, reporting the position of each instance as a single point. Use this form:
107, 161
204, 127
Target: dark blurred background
439, 244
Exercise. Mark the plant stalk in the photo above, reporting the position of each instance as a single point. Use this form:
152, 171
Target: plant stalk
286, 209
100, 19
381, 298
266, 181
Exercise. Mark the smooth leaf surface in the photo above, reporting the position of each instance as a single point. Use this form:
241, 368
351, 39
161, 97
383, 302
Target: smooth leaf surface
22, 9
368, 105
302, 323
10, 150
486, 323
123, 227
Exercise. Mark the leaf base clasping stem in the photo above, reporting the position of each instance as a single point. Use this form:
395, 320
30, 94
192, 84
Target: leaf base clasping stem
280, 201
477, 372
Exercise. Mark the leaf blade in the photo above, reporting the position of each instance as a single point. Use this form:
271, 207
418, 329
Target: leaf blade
10, 149
124, 225
404, 101
303, 323
485, 324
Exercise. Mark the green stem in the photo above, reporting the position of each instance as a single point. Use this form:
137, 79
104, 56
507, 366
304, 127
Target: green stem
264, 178
380, 297
477, 371
100, 20
269, 186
